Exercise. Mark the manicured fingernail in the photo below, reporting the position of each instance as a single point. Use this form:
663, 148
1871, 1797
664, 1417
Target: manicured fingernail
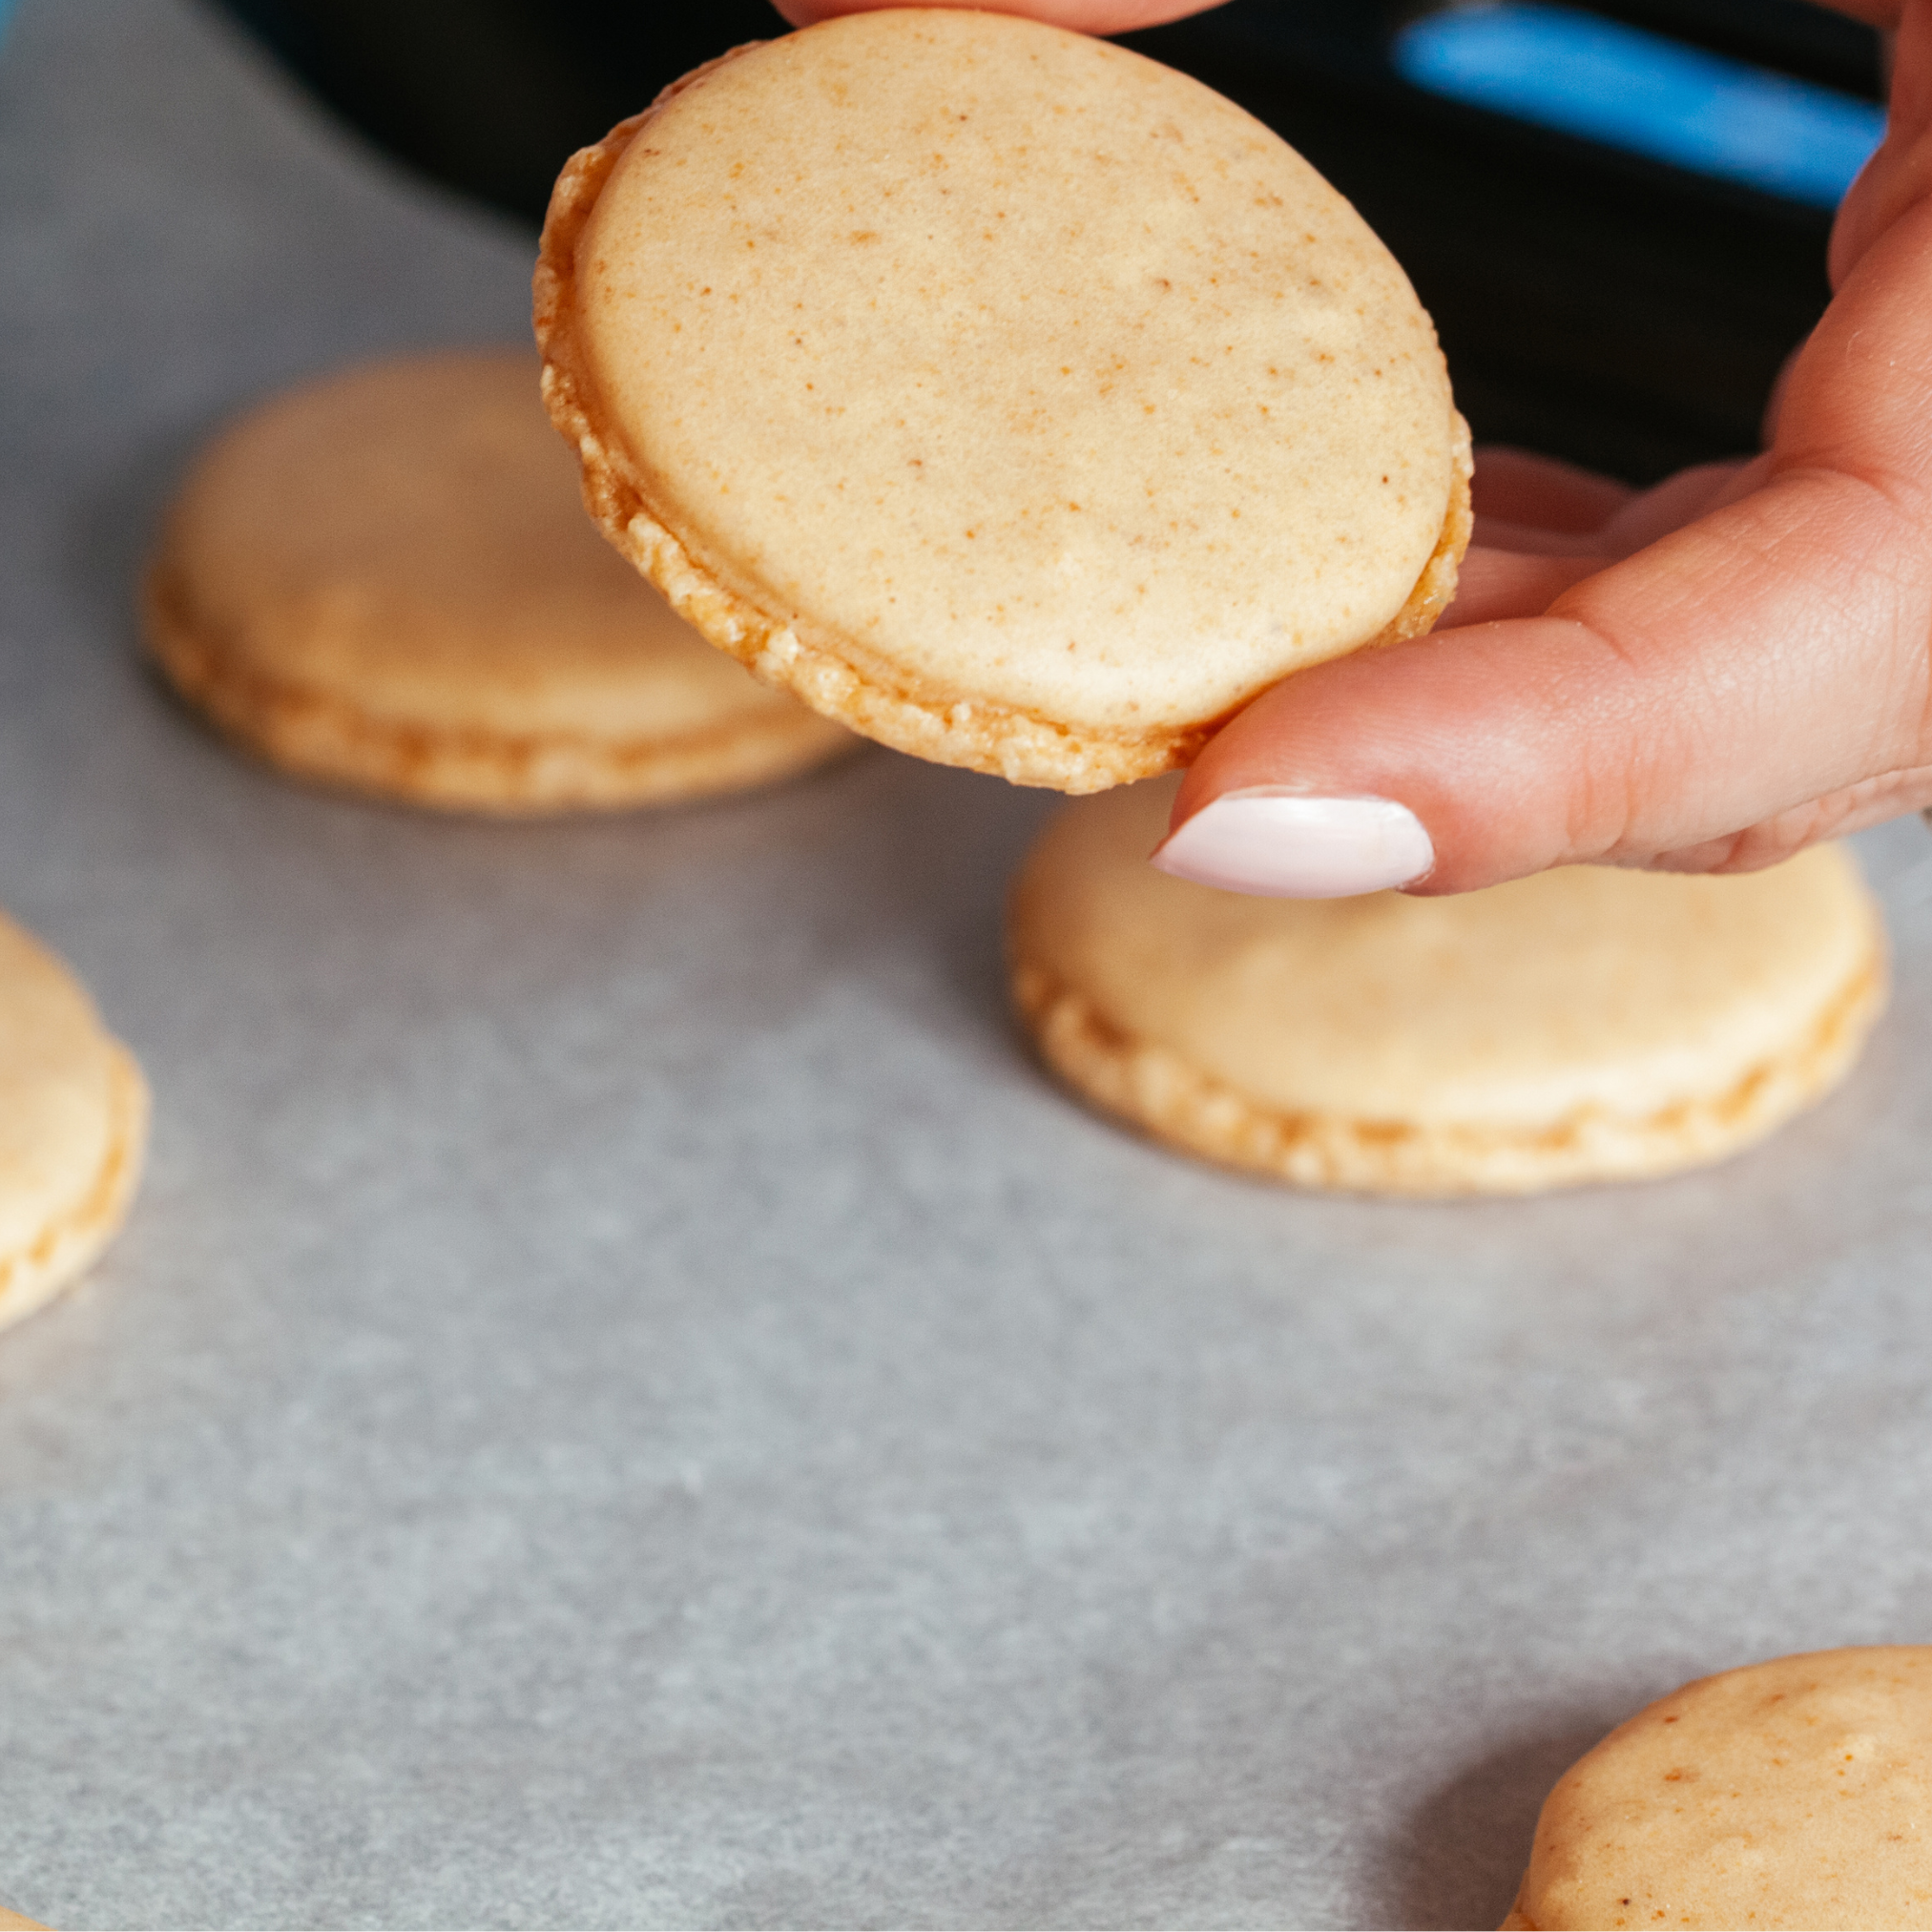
1284, 844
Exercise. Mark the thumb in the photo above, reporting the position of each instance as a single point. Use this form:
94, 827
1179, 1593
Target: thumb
1494, 751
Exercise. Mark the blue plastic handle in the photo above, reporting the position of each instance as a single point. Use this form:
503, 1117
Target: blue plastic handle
1583, 75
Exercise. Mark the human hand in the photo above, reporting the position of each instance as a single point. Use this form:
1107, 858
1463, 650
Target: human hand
1703, 678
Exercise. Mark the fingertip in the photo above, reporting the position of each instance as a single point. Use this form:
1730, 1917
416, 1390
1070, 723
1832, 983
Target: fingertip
1080, 16
1472, 769
1279, 843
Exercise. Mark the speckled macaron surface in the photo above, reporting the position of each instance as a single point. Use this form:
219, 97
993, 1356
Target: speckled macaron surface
1014, 399
74, 1113
1797, 1793
385, 579
1585, 1025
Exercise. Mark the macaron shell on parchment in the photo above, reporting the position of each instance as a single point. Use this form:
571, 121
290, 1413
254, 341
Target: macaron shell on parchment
1013, 398
1588, 1024
384, 579
1795, 1793
73, 1115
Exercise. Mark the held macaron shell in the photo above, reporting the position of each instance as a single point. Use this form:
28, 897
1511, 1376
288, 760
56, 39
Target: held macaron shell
1011, 398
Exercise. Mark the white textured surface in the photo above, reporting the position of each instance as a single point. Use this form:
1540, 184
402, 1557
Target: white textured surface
626, 1401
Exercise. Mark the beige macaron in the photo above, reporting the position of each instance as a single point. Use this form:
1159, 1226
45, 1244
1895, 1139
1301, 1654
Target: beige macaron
1585, 1025
386, 580
73, 1121
1013, 399
1797, 1793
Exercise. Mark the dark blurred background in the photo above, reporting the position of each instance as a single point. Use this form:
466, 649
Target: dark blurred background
1623, 312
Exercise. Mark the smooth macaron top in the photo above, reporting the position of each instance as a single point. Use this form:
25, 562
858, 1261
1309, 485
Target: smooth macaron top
1011, 367
407, 536
1789, 1794
60, 1111
1586, 990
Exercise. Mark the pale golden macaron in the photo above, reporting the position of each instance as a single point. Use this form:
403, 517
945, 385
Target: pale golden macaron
1797, 1793
1013, 399
12, 1922
73, 1123
386, 580
1587, 1025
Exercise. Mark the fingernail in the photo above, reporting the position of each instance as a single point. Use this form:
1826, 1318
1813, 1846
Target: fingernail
1283, 844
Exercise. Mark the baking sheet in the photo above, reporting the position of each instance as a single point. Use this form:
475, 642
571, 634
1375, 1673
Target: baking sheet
627, 1401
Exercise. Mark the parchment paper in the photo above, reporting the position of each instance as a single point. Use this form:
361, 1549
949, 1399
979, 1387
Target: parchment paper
627, 1400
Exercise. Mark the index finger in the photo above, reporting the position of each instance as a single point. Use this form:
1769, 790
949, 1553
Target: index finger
1083, 17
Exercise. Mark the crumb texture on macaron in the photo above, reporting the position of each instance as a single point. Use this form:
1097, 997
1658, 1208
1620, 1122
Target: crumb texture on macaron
73, 1111
1797, 1793
1008, 395
1585, 1025
385, 579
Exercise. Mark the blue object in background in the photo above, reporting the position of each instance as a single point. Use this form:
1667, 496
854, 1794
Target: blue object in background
1583, 75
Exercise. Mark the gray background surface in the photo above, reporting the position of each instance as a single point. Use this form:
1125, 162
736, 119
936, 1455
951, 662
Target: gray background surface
627, 1400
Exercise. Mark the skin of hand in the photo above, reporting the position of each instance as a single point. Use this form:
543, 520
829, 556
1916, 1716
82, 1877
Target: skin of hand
1702, 677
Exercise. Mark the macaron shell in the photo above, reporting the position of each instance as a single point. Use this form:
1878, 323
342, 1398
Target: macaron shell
1585, 1024
1016, 375
387, 577
74, 1114
1788, 1794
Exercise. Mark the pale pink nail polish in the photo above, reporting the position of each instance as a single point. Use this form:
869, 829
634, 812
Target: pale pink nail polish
1283, 844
